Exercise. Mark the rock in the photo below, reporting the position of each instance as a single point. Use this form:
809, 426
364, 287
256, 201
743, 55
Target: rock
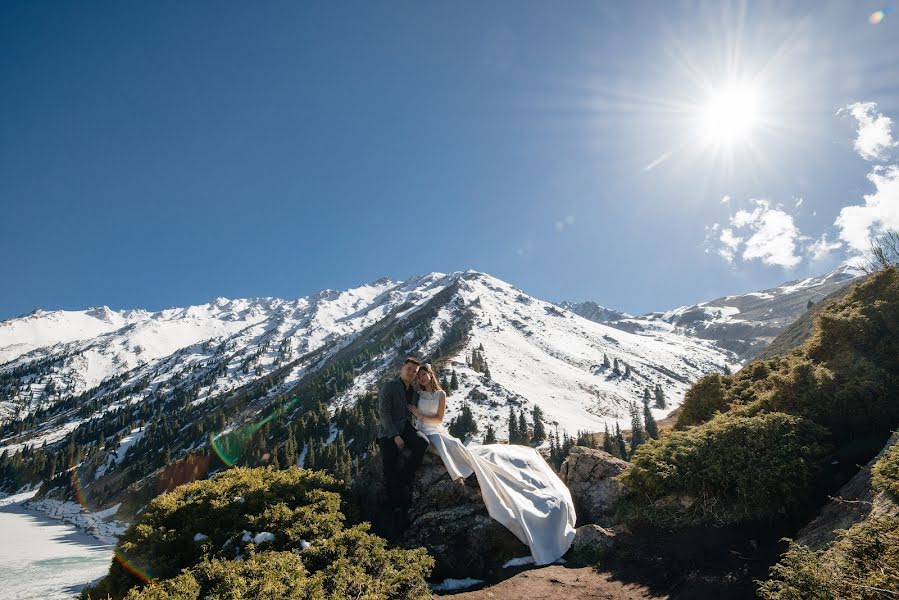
592, 539
447, 518
590, 475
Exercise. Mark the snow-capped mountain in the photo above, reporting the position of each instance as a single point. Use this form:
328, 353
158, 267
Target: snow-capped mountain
537, 354
744, 324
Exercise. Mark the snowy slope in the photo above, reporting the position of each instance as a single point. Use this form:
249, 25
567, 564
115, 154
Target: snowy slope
539, 354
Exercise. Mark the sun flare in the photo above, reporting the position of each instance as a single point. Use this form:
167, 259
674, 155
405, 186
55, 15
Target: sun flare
730, 115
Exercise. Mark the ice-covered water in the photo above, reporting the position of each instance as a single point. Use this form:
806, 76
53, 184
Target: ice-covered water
41, 558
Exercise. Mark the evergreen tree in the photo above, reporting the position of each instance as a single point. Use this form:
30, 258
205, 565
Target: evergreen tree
727, 370
809, 304
652, 428
513, 427
619, 443
445, 385
454, 381
605, 361
607, 441
615, 368
660, 397
522, 429
290, 449
638, 435
539, 429
490, 436
647, 396
486, 371
627, 370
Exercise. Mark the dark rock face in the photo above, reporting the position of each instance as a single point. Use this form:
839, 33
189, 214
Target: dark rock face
447, 518
590, 475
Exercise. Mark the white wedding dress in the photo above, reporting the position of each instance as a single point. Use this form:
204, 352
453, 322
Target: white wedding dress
519, 488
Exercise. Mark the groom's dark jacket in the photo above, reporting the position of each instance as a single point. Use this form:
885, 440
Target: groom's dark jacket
392, 403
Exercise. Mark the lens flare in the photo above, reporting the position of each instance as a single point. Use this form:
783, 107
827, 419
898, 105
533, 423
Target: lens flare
879, 15
141, 573
228, 446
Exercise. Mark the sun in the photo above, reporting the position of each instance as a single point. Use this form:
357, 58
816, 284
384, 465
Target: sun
730, 115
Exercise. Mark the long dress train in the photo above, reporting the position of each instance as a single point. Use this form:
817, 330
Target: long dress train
519, 488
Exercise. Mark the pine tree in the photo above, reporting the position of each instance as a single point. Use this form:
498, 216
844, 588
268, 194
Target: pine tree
454, 381
486, 371
727, 370
522, 429
647, 396
652, 428
490, 436
619, 443
445, 385
627, 370
607, 441
513, 427
539, 429
638, 435
605, 361
660, 397
615, 369
290, 449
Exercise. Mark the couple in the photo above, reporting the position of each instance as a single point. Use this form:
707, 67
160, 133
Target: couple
517, 485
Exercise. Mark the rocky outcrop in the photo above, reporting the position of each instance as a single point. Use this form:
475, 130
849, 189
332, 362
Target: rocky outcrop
447, 518
590, 475
853, 503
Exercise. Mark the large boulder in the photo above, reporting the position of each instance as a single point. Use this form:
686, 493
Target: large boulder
447, 518
590, 475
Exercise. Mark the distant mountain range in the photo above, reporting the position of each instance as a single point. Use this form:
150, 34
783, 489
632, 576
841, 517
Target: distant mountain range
744, 324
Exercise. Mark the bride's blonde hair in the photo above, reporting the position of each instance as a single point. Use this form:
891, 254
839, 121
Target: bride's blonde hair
431, 377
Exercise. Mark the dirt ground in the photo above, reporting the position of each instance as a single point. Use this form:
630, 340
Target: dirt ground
557, 581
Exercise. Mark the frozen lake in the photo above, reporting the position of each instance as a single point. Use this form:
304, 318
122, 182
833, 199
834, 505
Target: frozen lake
42, 558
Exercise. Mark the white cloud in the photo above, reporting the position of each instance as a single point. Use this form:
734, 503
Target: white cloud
880, 212
731, 244
874, 137
821, 249
799, 202
725, 199
769, 234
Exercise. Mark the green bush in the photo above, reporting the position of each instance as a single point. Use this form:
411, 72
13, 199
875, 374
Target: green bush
862, 564
702, 400
300, 508
734, 467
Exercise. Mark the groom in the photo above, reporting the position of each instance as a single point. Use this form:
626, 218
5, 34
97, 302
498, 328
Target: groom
401, 447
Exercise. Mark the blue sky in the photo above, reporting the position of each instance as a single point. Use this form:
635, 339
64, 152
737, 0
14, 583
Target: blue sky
161, 154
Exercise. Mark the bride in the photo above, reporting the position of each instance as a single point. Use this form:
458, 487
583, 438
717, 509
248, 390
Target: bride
518, 487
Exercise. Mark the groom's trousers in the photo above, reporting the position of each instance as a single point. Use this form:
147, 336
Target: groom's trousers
399, 466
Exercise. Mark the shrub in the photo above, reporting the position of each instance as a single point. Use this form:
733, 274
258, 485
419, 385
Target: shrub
301, 511
701, 401
861, 564
732, 468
